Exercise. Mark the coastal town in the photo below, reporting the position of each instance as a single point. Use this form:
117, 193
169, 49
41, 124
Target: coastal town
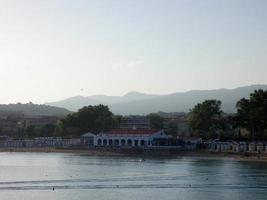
158, 133
133, 100
133, 132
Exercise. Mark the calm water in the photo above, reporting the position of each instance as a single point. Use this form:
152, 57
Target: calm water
33, 176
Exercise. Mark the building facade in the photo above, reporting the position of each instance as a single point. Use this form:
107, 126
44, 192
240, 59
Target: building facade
40, 121
11, 123
126, 138
177, 125
134, 122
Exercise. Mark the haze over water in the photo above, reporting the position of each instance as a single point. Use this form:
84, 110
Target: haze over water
75, 176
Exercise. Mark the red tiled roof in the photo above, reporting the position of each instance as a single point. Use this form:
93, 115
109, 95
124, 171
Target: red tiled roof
132, 132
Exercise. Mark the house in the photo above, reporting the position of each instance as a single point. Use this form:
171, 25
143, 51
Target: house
11, 123
87, 139
126, 138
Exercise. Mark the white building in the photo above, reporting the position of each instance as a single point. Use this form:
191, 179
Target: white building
126, 138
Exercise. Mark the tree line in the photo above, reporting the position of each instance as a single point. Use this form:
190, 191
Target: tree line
205, 119
93, 119
208, 120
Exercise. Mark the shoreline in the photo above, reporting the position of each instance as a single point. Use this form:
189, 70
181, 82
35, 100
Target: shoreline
112, 152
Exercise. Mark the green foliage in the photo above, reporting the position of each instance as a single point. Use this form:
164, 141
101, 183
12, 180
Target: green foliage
118, 120
31, 109
155, 121
90, 118
47, 130
206, 117
30, 132
252, 114
171, 129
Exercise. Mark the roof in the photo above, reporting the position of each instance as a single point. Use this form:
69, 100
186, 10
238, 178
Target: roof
142, 132
89, 134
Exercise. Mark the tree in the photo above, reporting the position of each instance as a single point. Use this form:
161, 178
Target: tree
118, 119
206, 117
252, 113
89, 118
30, 132
155, 121
61, 130
47, 130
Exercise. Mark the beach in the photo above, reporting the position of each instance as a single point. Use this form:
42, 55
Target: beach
120, 152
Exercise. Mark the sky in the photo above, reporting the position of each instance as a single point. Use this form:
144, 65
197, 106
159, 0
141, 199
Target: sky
54, 49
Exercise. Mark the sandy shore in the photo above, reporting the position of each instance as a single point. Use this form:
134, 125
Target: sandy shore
233, 156
61, 150
109, 152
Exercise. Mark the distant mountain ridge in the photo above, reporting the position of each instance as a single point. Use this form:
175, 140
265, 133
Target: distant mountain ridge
130, 96
141, 103
77, 102
31, 109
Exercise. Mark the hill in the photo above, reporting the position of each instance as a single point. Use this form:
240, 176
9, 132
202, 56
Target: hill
31, 109
140, 103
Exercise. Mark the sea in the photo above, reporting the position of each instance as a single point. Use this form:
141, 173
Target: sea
73, 176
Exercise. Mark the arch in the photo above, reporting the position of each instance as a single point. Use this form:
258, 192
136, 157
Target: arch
110, 142
99, 142
136, 143
116, 142
142, 142
105, 142
123, 142
129, 142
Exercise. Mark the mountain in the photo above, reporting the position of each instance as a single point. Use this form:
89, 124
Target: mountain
140, 103
31, 109
75, 103
131, 96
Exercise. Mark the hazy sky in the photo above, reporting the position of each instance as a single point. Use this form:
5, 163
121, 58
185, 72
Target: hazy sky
53, 49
